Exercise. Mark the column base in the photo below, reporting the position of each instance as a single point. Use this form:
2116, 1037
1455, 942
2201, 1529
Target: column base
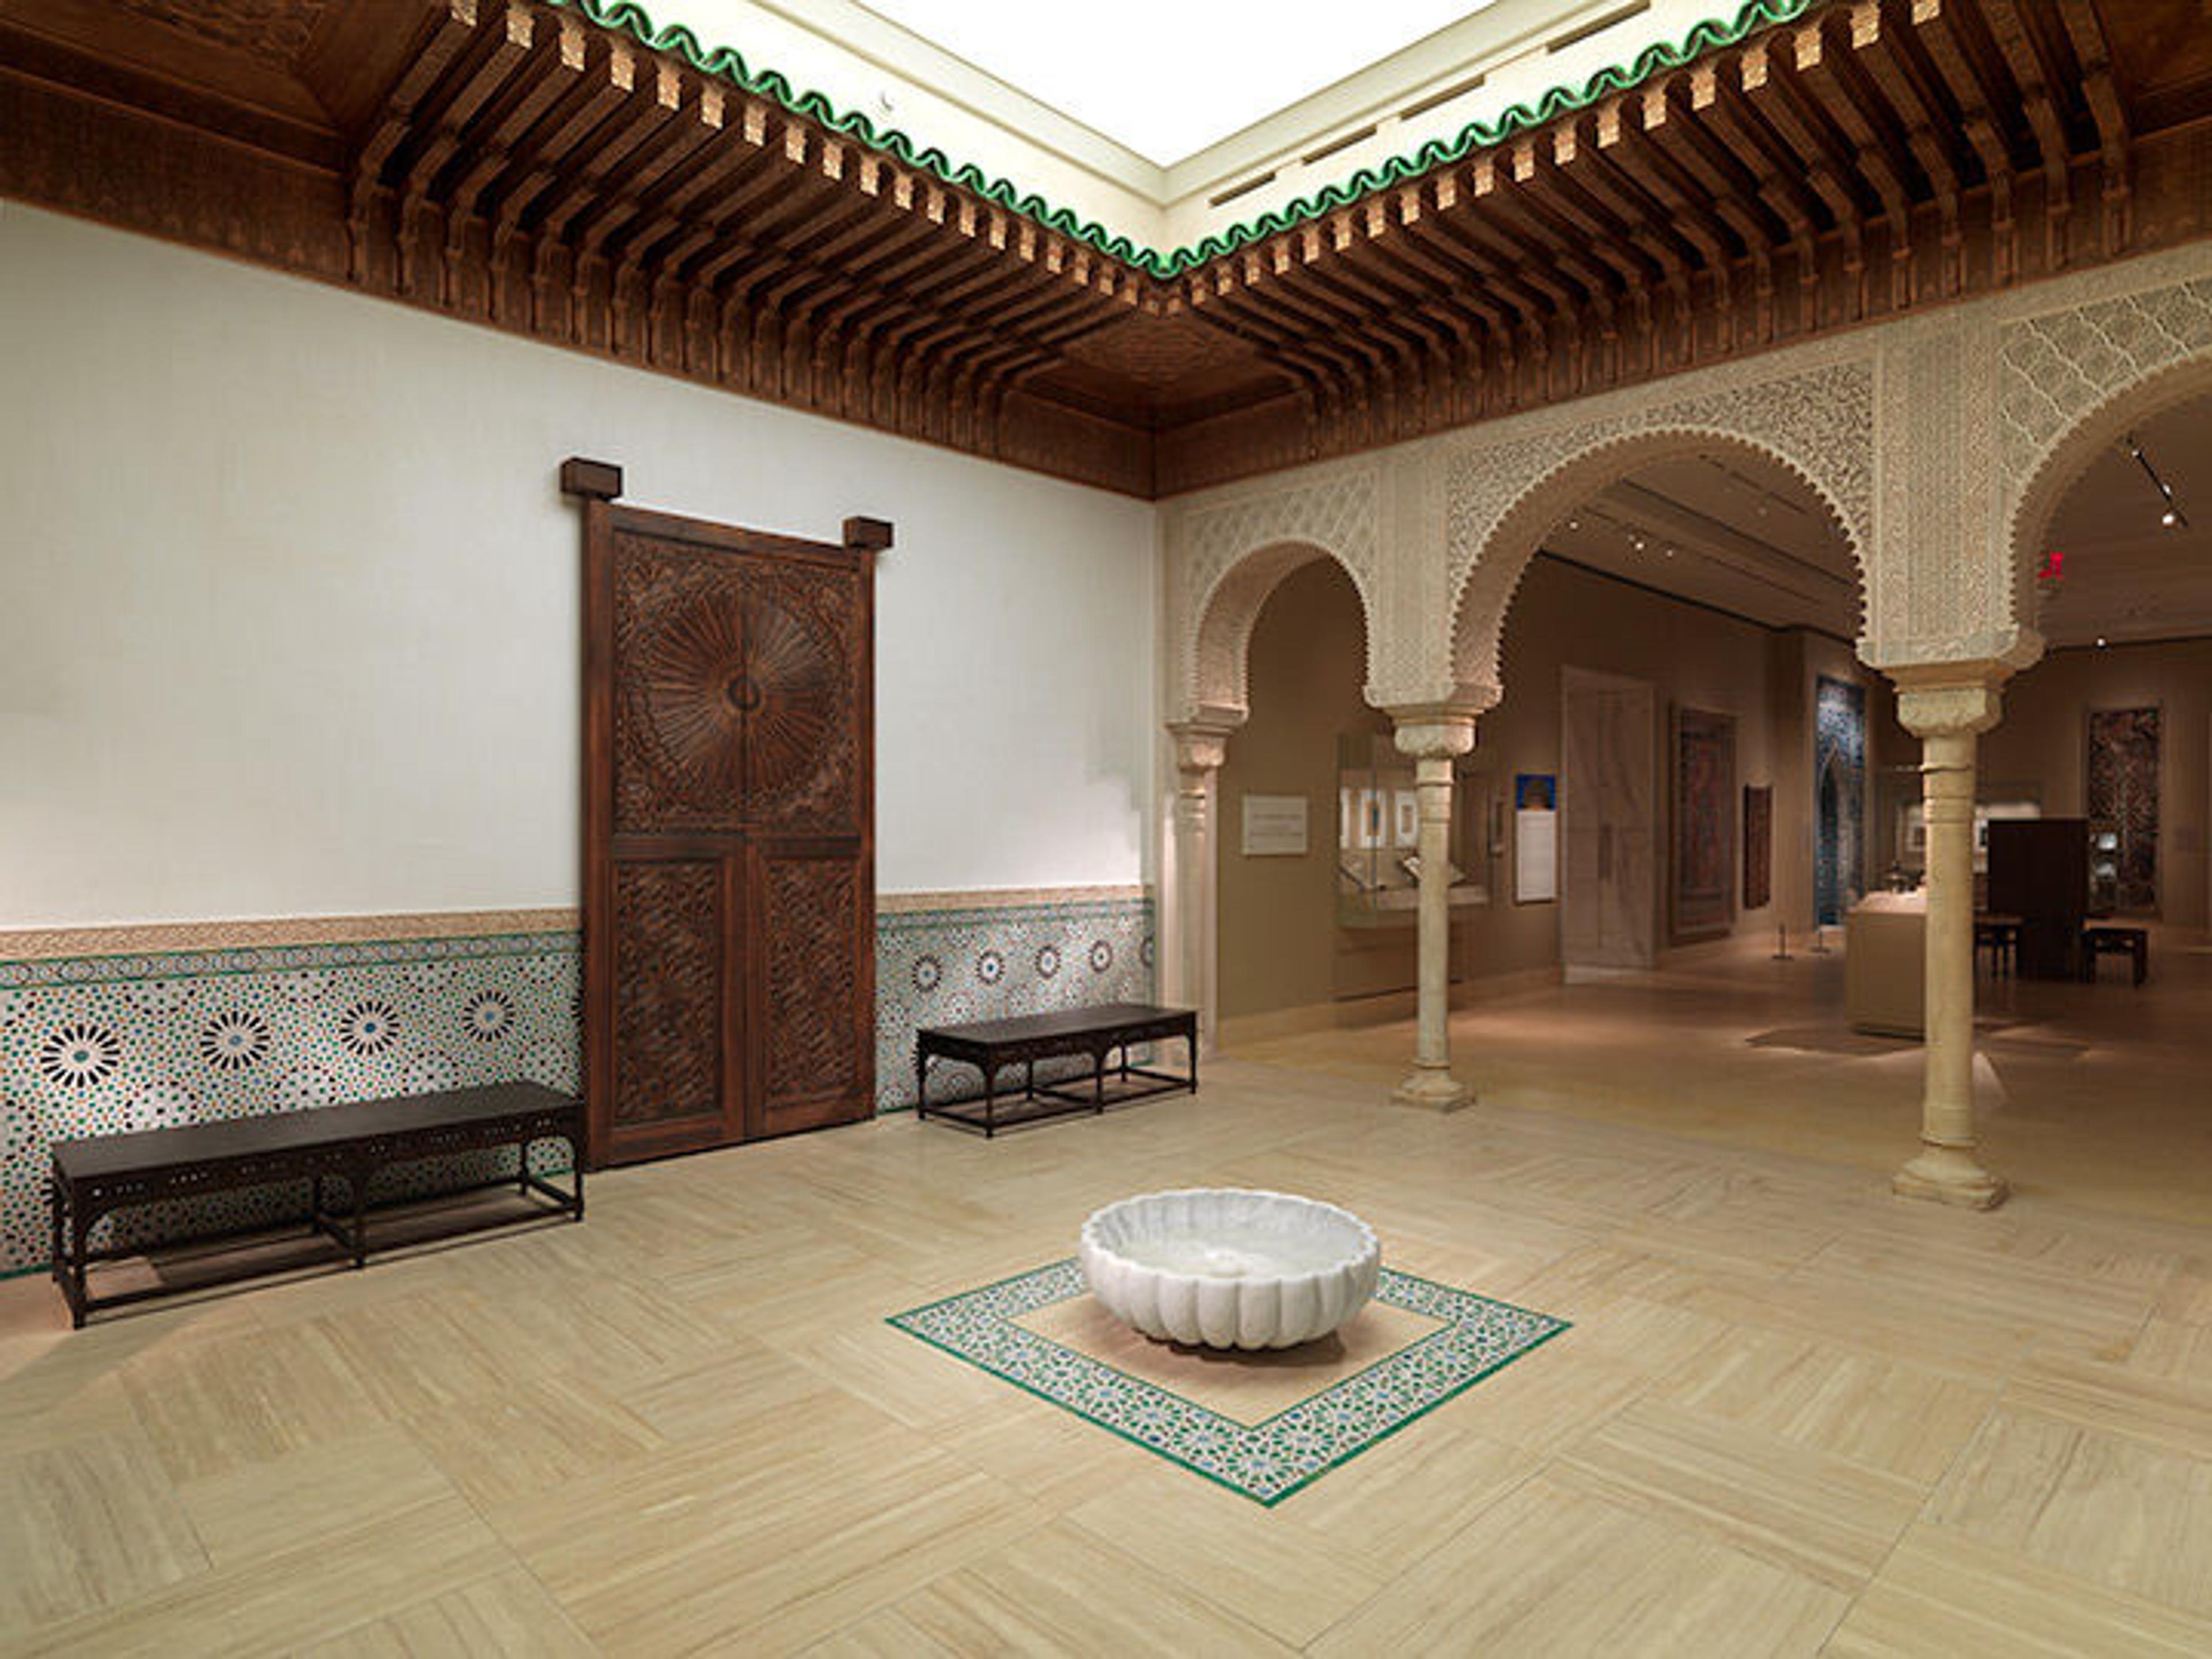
1432, 1090
1950, 1175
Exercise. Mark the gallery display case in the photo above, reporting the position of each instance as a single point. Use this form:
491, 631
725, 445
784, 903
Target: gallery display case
1378, 858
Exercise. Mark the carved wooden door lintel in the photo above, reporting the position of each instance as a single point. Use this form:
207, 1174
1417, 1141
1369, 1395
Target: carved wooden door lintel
729, 835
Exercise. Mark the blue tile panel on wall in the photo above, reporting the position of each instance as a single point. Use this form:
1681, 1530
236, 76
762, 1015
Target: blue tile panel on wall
93, 1045
946, 967
1839, 770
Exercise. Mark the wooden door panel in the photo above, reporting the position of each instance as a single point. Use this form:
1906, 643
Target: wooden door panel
679, 688
670, 1000
815, 998
802, 745
728, 827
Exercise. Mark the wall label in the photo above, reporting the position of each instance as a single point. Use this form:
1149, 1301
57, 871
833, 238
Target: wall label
1274, 826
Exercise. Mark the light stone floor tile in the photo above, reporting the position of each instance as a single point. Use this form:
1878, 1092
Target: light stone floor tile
2173, 1351
1407, 1496
1061, 1593
1549, 1572
609, 1330
244, 1398
1263, 1566
2125, 1513
2117, 1399
1055, 1460
796, 1293
291, 1600
416, 1353
1909, 1420
2061, 1310
88, 1524
905, 1378
505, 1616
885, 1634
256, 1509
1547, 1397
734, 1389
1942, 1593
684, 1426
1818, 1517
51, 1412
549, 1430
341, 1290
1651, 1338
2188, 1297
733, 1545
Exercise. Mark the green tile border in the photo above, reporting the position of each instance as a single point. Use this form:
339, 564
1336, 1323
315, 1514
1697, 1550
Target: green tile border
1266, 1461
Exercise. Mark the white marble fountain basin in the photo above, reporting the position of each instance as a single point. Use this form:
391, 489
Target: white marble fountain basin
1221, 1267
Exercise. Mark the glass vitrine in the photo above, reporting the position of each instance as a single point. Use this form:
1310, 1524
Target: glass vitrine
1378, 857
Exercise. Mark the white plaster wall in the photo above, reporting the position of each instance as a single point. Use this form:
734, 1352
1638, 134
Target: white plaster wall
289, 612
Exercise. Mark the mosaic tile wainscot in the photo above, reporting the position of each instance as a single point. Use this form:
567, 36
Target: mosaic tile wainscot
99, 1044
107, 1041
945, 959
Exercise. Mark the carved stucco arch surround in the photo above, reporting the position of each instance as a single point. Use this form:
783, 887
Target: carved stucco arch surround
1504, 496
2071, 382
1226, 557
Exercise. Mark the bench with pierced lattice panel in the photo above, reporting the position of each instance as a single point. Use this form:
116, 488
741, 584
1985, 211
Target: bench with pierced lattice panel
1093, 1033
351, 1144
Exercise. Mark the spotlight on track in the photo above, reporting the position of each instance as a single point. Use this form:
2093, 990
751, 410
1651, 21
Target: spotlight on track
2172, 517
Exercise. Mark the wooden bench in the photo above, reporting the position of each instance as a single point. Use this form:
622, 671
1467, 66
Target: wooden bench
992, 1045
2000, 936
351, 1144
2105, 938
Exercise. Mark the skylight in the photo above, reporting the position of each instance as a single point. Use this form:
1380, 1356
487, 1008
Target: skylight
1169, 77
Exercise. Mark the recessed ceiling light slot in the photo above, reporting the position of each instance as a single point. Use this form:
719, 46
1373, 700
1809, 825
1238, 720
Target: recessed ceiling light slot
1336, 145
1598, 26
1438, 99
1244, 189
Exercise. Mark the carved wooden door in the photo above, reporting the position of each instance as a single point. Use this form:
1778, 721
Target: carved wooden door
729, 915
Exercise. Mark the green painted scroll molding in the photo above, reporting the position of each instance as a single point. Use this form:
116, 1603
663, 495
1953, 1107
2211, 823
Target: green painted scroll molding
627, 17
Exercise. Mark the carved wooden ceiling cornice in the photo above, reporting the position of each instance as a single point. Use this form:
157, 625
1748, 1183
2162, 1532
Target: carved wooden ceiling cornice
518, 163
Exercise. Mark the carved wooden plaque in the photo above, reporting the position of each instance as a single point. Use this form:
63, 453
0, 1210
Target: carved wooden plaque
729, 909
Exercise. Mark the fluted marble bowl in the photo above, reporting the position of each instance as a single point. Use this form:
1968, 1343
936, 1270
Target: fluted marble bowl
1221, 1268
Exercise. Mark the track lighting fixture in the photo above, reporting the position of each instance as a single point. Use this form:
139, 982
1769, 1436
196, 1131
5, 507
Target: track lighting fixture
2171, 517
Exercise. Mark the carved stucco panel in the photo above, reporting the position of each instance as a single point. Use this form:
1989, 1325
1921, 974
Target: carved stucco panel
1215, 594
1925, 436
2055, 368
1820, 423
2058, 371
1411, 587
1930, 579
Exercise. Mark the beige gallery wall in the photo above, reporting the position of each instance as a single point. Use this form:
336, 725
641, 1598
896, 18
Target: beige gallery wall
1281, 947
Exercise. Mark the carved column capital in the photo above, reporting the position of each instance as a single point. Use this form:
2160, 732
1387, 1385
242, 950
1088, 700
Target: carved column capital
1202, 743
1433, 731
1960, 699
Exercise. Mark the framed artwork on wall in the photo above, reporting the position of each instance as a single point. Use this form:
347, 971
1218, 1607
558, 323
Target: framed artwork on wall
1758, 845
1535, 838
1703, 885
2122, 798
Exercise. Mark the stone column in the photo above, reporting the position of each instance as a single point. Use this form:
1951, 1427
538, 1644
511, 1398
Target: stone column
1947, 717
1189, 959
1434, 737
